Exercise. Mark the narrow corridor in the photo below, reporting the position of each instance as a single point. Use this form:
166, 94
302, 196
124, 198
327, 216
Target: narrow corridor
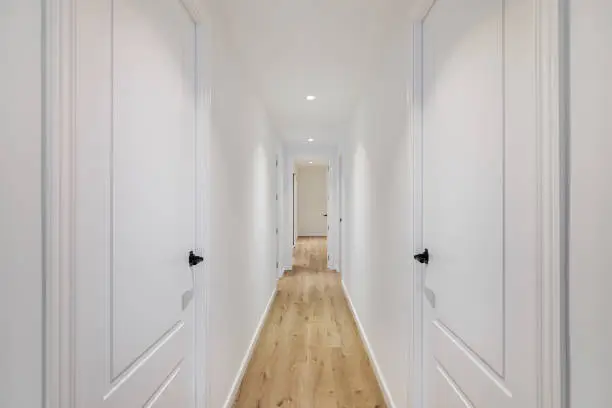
309, 353
445, 164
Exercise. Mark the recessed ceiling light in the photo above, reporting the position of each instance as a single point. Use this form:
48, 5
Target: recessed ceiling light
310, 140
311, 98
309, 162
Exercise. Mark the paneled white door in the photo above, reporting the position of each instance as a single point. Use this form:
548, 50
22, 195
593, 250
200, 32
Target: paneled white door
478, 213
135, 205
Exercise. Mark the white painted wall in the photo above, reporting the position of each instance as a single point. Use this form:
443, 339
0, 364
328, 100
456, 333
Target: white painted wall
240, 191
377, 216
312, 201
591, 203
21, 279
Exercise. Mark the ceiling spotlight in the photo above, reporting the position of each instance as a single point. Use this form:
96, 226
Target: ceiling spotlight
311, 98
310, 140
309, 162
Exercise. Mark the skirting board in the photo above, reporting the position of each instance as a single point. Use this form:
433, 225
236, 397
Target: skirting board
313, 235
379, 376
247, 358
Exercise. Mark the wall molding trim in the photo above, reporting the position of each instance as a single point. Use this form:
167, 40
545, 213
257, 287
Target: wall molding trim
364, 338
59, 110
231, 398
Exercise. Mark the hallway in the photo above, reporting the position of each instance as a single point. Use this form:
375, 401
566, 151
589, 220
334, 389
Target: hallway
307, 203
309, 353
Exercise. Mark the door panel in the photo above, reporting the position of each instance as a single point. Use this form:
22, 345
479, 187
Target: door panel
474, 378
172, 392
141, 382
135, 204
153, 173
478, 204
463, 172
449, 395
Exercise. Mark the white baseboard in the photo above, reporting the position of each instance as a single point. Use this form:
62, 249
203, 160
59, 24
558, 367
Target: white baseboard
379, 376
313, 235
247, 357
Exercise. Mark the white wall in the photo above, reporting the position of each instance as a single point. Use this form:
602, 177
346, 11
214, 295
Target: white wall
312, 201
591, 204
377, 216
241, 252
21, 289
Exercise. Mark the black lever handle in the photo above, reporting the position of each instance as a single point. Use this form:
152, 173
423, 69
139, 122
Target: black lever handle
194, 259
422, 257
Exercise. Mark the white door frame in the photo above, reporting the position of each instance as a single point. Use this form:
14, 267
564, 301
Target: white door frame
59, 142
339, 215
292, 154
552, 132
278, 172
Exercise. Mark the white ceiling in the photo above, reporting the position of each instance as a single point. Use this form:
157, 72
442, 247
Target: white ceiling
296, 48
315, 162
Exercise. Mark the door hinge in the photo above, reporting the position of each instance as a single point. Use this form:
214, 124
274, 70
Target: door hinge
276, 264
277, 197
277, 231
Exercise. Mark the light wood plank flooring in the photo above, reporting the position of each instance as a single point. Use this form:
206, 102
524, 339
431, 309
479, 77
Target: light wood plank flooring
309, 354
310, 254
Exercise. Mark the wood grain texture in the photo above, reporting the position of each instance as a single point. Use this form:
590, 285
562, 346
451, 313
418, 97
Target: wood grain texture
309, 353
310, 254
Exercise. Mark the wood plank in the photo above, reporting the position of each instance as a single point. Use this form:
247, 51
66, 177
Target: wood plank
309, 354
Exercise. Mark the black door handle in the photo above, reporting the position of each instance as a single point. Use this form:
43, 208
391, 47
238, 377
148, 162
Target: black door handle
422, 257
194, 259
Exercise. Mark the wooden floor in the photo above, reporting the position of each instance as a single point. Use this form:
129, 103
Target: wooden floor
309, 354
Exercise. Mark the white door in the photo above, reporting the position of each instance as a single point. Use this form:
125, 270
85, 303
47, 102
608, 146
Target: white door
278, 214
329, 214
340, 212
479, 311
295, 207
135, 205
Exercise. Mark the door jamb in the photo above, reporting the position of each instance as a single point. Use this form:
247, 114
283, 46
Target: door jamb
552, 89
415, 389
202, 140
59, 132
552, 96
